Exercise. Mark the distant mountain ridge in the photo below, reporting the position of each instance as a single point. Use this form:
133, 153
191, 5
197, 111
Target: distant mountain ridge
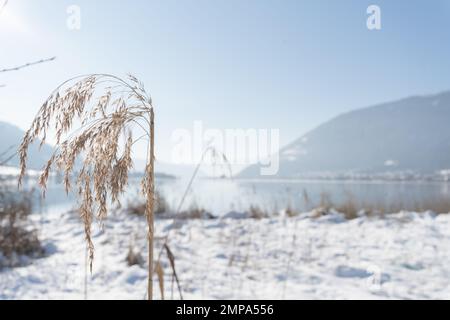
411, 134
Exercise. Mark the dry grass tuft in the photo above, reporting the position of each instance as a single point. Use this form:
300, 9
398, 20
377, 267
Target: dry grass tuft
194, 213
352, 208
16, 237
175, 278
349, 208
160, 273
134, 258
106, 108
255, 212
137, 207
291, 212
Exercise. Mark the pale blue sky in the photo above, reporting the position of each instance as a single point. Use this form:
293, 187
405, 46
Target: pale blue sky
232, 64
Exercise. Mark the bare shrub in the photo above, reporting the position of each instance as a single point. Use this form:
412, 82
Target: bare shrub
291, 212
349, 208
134, 257
137, 207
17, 237
194, 213
102, 122
163, 211
256, 212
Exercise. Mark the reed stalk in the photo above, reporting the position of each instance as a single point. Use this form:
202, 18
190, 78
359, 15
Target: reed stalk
90, 130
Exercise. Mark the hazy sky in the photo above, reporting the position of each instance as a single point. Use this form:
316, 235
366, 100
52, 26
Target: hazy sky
232, 64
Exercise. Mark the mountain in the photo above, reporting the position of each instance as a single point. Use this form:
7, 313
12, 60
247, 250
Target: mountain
10, 139
412, 135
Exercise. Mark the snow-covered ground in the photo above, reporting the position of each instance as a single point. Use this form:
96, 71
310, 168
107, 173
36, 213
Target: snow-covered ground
402, 256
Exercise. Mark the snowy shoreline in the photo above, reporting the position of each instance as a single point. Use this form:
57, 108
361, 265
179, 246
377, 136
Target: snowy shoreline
400, 256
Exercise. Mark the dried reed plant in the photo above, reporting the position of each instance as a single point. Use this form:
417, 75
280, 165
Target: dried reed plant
91, 117
216, 157
174, 271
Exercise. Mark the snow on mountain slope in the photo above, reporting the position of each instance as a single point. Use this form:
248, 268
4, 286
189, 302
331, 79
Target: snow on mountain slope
412, 134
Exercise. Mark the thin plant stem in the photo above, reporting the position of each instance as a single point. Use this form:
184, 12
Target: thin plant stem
150, 203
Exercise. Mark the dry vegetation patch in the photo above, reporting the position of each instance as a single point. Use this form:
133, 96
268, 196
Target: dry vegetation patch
18, 238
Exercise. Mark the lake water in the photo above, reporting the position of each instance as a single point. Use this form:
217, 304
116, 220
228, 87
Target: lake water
221, 196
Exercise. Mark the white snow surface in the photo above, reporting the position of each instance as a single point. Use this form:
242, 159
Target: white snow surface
401, 256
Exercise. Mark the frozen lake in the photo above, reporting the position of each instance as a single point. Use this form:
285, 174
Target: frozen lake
222, 195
